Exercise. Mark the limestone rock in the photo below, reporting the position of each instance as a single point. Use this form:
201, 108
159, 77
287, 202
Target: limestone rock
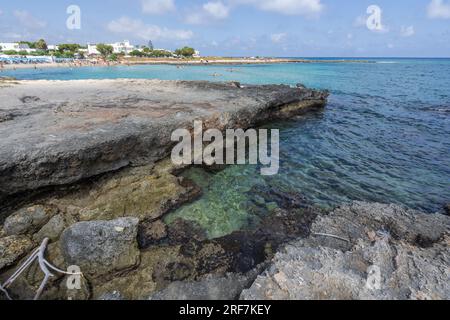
51, 230
28, 219
12, 248
104, 125
392, 253
101, 247
211, 288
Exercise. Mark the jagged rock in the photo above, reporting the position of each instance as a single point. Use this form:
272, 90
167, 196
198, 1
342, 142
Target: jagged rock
227, 287
51, 230
151, 233
12, 248
104, 125
182, 231
28, 220
386, 252
100, 248
111, 296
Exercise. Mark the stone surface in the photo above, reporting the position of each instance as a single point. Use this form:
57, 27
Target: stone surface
59, 132
226, 287
28, 220
12, 248
407, 249
51, 230
145, 193
100, 248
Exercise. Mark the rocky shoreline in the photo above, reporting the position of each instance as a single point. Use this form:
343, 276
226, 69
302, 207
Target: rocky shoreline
84, 166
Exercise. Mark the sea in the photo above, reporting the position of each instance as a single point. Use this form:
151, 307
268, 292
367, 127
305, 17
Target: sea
383, 137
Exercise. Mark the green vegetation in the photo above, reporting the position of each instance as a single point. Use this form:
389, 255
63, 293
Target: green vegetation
105, 50
137, 53
113, 57
146, 52
40, 44
185, 52
10, 52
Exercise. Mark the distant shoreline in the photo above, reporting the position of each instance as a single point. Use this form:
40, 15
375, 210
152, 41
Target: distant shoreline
196, 62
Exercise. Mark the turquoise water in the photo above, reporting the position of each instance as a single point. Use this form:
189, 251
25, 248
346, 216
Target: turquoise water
384, 136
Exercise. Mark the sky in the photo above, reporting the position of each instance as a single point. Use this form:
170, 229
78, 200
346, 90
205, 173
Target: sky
282, 28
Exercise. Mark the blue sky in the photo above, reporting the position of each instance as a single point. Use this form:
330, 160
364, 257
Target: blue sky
410, 28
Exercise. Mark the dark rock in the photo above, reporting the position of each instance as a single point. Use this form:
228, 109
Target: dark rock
447, 209
151, 233
182, 231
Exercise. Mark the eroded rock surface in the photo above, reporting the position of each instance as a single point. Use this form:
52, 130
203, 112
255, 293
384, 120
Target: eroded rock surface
59, 132
349, 248
102, 247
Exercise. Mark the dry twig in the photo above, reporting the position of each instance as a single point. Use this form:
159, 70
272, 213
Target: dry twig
330, 236
44, 265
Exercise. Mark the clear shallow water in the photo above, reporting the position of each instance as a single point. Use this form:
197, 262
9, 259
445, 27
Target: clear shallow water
384, 136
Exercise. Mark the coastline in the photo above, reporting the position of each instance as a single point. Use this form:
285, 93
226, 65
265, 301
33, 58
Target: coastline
99, 149
179, 62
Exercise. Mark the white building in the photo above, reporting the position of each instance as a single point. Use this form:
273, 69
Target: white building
196, 54
52, 47
92, 49
119, 47
123, 47
8, 46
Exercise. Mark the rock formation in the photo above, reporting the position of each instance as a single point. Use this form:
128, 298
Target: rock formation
363, 251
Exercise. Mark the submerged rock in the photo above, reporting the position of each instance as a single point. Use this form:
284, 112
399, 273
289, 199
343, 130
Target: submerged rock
363, 251
447, 209
100, 248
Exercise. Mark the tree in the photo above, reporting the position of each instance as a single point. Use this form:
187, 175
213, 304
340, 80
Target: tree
41, 44
136, 53
113, 57
105, 49
30, 45
68, 48
185, 52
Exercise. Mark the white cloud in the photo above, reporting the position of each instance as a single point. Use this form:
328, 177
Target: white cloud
438, 9
139, 29
360, 21
407, 31
210, 11
278, 37
288, 7
216, 9
27, 20
158, 6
